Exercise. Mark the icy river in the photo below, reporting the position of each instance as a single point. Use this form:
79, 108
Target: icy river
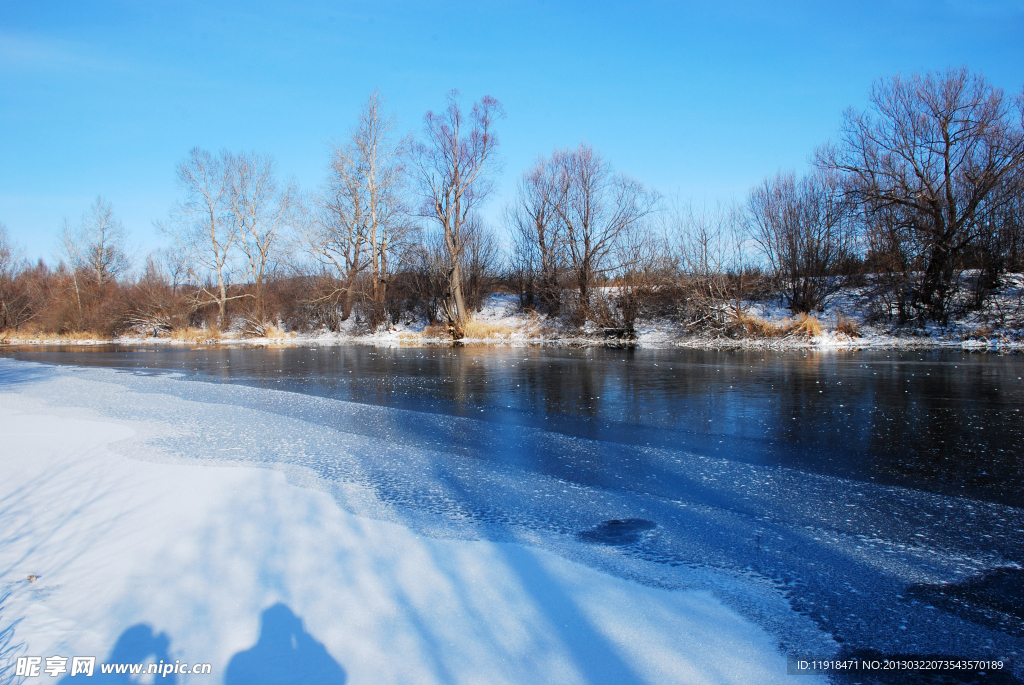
877, 494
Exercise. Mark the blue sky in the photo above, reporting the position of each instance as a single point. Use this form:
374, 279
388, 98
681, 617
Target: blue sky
702, 100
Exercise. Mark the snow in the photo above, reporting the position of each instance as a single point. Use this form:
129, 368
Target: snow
203, 558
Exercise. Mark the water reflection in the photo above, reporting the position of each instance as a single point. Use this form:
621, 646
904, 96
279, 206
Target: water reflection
943, 421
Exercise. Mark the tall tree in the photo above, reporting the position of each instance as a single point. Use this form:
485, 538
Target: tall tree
97, 246
360, 219
261, 211
13, 299
804, 228
538, 242
203, 228
382, 179
596, 208
453, 165
926, 154
705, 265
335, 230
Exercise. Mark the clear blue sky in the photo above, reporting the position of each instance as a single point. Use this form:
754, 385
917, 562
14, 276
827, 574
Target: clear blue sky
698, 99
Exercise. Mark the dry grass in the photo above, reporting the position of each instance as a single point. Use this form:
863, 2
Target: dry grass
15, 337
803, 326
436, 331
847, 326
476, 330
980, 332
483, 330
276, 333
754, 326
191, 334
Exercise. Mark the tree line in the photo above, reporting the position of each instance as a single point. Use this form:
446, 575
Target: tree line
918, 202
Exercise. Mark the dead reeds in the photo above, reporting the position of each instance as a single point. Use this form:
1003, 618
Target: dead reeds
748, 325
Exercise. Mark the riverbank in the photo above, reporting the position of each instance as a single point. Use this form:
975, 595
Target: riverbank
501, 321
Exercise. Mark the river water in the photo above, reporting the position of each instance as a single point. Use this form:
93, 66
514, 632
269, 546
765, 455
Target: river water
880, 492
945, 422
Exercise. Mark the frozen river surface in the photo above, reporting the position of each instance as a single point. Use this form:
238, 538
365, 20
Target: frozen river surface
880, 494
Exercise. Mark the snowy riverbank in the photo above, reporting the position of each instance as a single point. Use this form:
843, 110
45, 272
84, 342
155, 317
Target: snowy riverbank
501, 321
141, 552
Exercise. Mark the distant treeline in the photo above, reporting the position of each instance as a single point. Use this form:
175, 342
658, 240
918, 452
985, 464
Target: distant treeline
919, 200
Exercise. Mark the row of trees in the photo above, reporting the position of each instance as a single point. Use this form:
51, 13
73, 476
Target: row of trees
925, 184
920, 189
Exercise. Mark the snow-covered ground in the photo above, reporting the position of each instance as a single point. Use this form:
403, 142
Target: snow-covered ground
139, 551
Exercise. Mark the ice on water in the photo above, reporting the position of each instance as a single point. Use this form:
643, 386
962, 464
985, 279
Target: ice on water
821, 563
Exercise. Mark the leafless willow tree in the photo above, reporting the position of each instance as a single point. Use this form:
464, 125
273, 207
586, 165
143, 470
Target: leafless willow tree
383, 180
576, 221
804, 228
597, 209
1000, 252
538, 256
481, 261
480, 265
706, 261
1000, 247
360, 220
453, 166
13, 299
335, 232
97, 246
262, 212
204, 231
922, 160
94, 252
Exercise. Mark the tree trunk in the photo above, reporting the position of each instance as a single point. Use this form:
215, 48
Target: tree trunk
458, 302
346, 304
223, 304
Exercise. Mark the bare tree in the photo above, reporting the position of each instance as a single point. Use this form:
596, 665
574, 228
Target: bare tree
94, 252
480, 261
804, 229
203, 228
335, 232
538, 243
926, 154
9, 252
453, 165
13, 298
262, 212
70, 254
97, 246
596, 207
382, 177
706, 262
1000, 245
155, 304
360, 221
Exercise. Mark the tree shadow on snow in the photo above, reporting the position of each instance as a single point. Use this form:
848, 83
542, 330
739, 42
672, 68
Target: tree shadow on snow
285, 653
15, 373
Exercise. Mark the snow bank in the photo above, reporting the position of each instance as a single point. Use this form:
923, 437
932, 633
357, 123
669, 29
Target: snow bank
232, 565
